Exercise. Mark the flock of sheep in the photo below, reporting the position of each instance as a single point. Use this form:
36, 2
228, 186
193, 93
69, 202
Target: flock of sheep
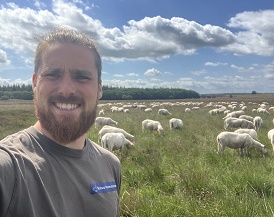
243, 138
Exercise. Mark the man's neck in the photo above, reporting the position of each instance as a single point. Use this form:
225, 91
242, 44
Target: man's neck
77, 144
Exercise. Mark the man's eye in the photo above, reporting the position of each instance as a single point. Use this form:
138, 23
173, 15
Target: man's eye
81, 77
51, 75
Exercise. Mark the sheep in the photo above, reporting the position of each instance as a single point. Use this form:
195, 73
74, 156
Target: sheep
215, 111
238, 141
152, 125
102, 112
247, 117
262, 110
102, 121
164, 112
238, 123
234, 114
148, 110
270, 135
110, 129
115, 141
175, 123
251, 132
258, 121
187, 110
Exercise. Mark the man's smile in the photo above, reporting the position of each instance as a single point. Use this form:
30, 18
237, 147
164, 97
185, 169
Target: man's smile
66, 106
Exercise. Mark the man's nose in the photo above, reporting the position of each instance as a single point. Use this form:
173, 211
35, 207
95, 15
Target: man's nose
66, 86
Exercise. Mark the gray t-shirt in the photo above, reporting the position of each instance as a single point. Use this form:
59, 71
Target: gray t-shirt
40, 178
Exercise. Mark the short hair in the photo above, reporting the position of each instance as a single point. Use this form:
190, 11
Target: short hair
65, 35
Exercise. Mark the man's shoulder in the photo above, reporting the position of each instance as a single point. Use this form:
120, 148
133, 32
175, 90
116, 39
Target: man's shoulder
103, 152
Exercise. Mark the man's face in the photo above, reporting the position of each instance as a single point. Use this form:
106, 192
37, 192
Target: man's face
66, 91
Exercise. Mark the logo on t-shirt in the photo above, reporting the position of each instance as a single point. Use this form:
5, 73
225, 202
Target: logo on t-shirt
102, 187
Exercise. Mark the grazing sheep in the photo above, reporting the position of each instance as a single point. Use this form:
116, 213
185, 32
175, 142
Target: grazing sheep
102, 121
238, 141
148, 110
175, 123
187, 110
238, 123
115, 141
258, 121
215, 111
110, 129
164, 112
270, 135
102, 112
247, 117
262, 110
234, 114
152, 125
251, 132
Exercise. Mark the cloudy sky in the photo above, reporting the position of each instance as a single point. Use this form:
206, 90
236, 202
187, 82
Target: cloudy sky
209, 46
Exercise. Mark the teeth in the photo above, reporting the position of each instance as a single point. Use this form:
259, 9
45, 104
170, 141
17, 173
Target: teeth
64, 106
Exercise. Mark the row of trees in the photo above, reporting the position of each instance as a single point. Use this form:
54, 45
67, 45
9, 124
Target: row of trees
109, 93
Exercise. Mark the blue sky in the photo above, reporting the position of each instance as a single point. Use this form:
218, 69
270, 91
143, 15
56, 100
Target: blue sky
209, 46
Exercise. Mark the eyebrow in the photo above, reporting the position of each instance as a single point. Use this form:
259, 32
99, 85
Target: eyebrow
81, 71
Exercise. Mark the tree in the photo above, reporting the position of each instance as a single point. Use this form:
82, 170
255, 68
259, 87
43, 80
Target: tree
254, 92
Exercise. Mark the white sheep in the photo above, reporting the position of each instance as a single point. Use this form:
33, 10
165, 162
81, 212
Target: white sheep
115, 141
270, 135
251, 132
262, 110
215, 111
110, 129
148, 110
258, 121
102, 121
102, 112
234, 114
238, 141
187, 110
175, 123
247, 117
164, 112
238, 123
152, 125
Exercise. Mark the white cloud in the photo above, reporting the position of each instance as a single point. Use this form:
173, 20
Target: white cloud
215, 64
39, 4
118, 75
3, 58
257, 33
200, 72
133, 74
153, 72
150, 38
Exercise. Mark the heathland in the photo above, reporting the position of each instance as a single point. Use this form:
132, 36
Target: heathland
180, 173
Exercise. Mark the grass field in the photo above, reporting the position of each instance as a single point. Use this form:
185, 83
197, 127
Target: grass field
180, 173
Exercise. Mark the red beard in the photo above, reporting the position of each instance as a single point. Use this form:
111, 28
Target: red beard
67, 129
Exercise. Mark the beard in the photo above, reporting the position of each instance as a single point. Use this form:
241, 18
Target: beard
68, 128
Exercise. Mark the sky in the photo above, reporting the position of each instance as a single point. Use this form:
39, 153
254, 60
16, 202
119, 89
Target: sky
208, 46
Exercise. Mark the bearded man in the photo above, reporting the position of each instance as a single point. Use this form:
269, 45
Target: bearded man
52, 168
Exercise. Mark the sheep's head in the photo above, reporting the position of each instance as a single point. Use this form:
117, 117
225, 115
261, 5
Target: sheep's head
264, 150
160, 129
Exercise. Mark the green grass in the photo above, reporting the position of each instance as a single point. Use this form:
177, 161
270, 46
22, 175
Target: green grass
180, 173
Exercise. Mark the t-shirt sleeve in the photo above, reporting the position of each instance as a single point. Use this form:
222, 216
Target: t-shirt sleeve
7, 180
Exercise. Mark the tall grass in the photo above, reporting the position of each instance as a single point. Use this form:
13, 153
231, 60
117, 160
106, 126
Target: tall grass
180, 173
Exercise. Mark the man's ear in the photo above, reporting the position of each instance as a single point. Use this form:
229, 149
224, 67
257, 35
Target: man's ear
100, 90
34, 80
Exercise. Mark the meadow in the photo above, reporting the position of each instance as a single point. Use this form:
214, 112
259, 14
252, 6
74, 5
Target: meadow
180, 173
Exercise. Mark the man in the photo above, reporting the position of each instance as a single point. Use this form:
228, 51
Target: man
52, 169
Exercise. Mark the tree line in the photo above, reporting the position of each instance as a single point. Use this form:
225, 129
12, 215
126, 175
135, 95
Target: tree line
109, 93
